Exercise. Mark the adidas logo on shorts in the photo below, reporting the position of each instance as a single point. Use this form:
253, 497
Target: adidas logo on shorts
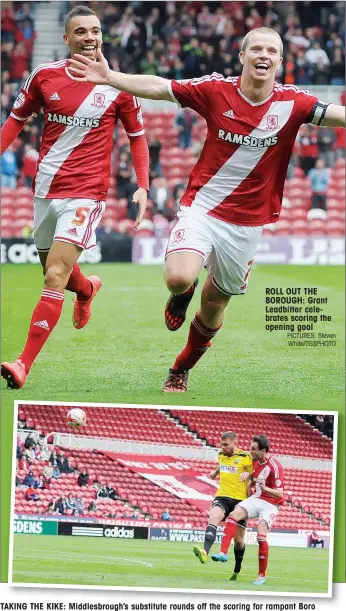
55, 96
43, 324
72, 231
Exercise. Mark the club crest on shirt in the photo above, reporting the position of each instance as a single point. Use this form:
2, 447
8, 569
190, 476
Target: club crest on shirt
272, 122
179, 235
99, 100
20, 101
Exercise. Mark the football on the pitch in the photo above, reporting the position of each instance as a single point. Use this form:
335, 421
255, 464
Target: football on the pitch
76, 418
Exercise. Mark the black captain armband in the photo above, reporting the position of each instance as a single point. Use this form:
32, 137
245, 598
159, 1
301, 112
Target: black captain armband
317, 114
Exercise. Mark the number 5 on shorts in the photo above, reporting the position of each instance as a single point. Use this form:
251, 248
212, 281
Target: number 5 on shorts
81, 214
248, 270
246, 276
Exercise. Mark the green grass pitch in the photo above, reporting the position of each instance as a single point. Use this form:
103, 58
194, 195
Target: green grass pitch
123, 356
124, 353
160, 564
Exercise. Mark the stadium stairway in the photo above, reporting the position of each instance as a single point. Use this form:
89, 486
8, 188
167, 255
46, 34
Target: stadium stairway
49, 44
177, 422
316, 518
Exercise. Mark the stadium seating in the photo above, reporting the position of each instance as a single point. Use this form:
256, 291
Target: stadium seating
65, 485
288, 434
147, 425
309, 490
138, 491
307, 493
17, 210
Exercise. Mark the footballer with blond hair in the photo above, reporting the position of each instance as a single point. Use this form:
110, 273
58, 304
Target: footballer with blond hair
236, 186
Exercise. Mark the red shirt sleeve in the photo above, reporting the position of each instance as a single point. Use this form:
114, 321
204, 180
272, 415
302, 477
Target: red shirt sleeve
195, 93
29, 100
309, 108
130, 114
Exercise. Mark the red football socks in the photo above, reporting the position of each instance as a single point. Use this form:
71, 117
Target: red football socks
197, 344
228, 534
263, 552
79, 284
45, 317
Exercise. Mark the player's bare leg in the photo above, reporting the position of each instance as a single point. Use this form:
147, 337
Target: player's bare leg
181, 271
216, 516
58, 266
203, 328
263, 552
85, 289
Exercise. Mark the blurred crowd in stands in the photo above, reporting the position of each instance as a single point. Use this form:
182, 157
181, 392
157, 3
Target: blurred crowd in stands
189, 39
38, 464
184, 40
17, 43
323, 423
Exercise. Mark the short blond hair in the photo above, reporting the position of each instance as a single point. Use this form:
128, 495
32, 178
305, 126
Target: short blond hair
261, 31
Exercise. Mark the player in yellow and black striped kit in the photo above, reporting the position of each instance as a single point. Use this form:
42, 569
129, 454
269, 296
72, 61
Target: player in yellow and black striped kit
235, 467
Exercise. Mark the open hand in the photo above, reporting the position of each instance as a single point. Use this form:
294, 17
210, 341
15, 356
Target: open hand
84, 69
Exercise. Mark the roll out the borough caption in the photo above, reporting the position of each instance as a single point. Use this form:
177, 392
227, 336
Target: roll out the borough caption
301, 313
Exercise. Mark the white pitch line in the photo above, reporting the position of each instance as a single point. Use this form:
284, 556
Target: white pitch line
91, 558
54, 574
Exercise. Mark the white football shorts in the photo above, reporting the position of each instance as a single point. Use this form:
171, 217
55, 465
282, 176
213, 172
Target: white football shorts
227, 250
66, 220
259, 508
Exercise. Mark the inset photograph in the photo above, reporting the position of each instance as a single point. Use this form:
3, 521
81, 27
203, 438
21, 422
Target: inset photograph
189, 499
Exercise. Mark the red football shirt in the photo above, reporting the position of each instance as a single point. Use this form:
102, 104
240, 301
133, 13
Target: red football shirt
77, 139
239, 177
272, 475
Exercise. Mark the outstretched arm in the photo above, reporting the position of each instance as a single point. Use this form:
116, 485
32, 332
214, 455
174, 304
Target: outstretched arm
335, 116
139, 85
